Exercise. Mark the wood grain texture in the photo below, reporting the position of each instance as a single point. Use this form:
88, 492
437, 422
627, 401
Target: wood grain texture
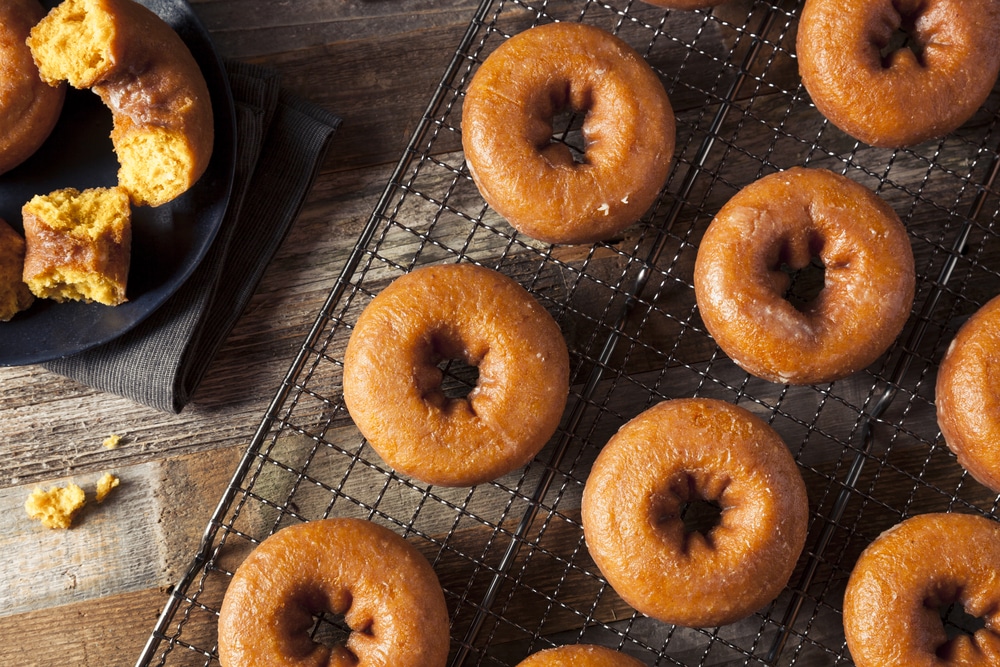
103, 631
255, 28
89, 596
143, 535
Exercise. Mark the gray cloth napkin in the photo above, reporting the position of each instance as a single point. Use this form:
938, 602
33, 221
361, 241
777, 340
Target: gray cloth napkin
281, 142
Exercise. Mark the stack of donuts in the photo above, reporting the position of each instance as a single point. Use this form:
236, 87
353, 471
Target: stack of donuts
682, 451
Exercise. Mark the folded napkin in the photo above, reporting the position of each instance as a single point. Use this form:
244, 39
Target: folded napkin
280, 145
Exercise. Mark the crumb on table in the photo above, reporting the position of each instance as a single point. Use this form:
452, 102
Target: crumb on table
104, 486
112, 441
56, 507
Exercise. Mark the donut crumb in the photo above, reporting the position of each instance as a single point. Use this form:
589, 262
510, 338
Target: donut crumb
56, 507
105, 484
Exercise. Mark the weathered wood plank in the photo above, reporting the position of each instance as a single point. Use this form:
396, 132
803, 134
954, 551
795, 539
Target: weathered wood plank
143, 535
104, 631
254, 28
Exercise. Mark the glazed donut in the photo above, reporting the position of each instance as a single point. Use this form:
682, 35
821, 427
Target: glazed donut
534, 182
967, 395
385, 589
163, 129
906, 577
785, 219
679, 452
579, 655
29, 108
392, 384
887, 94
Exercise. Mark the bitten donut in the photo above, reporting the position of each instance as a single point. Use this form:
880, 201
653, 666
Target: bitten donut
29, 108
967, 395
535, 182
385, 589
392, 384
863, 77
163, 132
907, 576
579, 655
679, 452
780, 223
79, 245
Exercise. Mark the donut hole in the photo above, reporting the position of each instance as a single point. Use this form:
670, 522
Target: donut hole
316, 619
568, 133
945, 598
798, 272
458, 378
559, 127
804, 284
903, 37
701, 516
330, 630
690, 510
958, 623
452, 370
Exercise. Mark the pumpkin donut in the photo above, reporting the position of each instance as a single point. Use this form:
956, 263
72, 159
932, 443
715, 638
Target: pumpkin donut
534, 182
902, 581
782, 221
676, 453
392, 384
15, 295
579, 655
385, 589
876, 88
163, 132
29, 108
967, 395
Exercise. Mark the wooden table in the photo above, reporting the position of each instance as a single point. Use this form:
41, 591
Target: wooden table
91, 595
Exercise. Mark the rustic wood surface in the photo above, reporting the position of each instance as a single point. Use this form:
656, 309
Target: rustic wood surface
90, 595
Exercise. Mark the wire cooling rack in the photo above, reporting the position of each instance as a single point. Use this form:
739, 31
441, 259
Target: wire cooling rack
510, 554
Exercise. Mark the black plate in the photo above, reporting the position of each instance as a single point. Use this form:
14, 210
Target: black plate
168, 241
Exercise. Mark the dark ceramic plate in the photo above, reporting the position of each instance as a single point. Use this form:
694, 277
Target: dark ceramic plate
168, 241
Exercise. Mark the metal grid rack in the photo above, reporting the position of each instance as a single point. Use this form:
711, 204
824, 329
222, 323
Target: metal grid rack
511, 554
